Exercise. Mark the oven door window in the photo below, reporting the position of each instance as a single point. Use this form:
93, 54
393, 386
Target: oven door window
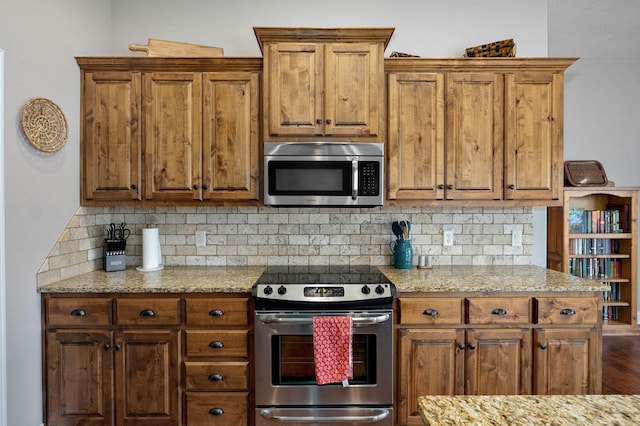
310, 177
293, 364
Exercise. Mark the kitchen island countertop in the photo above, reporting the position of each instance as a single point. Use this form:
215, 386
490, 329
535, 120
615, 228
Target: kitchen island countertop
525, 278
530, 410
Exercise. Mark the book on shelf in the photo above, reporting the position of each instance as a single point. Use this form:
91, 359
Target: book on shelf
595, 268
610, 313
615, 219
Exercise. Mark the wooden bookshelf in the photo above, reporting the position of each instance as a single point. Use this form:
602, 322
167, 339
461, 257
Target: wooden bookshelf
594, 235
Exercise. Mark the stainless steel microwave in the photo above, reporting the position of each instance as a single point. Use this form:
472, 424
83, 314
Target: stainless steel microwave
323, 174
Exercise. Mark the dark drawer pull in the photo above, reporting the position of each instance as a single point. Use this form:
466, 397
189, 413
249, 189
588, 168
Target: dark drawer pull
78, 313
568, 311
216, 377
431, 312
216, 345
147, 313
542, 346
216, 313
499, 311
216, 411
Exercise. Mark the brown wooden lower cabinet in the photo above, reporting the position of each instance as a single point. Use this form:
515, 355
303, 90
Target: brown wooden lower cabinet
131, 360
481, 345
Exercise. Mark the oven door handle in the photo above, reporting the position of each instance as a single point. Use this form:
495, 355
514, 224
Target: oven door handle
357, 321
283, 415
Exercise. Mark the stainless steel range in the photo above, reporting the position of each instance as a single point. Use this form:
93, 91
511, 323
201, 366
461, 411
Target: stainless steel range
287, 300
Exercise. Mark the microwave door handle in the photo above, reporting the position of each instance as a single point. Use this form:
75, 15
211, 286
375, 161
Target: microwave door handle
354, 182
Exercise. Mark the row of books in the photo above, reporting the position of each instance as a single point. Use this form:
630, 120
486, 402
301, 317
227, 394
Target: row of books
593, 246
610, 313
614, 219
595, 268
613, 294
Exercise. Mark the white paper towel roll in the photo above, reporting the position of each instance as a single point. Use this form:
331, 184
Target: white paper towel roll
151, 254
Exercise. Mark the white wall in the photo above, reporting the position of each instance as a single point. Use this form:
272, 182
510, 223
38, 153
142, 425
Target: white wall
41, 38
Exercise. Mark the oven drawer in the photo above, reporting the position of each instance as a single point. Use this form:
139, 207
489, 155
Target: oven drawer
78, 311
217, 311
217, 343
567, 310
431, 310
148, 311
217, 376
217, 408
498, 310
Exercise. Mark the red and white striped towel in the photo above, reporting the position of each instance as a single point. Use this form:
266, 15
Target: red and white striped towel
333, 349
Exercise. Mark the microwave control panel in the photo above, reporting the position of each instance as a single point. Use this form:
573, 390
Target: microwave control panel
369, 178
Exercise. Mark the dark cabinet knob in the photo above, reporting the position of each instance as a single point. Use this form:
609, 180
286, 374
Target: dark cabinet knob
106, 347
78, 313
461, 346
431, 312
542, 346
216, 344
319, 121
205, 187
195, 187
133, 186
216, 377
449, 186
568, 311
216, 313
512, 186
441, 186
472, 346
147, 313
499, 311
216, 411
117, 348
328, 121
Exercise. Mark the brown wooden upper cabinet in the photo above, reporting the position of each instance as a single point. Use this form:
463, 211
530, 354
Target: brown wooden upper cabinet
475, 129
196, 121
325, 83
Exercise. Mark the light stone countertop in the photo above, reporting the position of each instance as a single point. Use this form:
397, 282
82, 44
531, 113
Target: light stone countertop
487, 279
171, 279
530, 410
240, 279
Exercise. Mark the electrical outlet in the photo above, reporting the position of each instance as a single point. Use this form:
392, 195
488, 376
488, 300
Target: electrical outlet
201, 238
516, 238
447, 238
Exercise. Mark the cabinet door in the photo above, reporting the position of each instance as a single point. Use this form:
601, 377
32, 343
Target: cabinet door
110, 145
294, 86
566, 362
354, 89
416, 136
230, 136
533, 136
173, 136
148, 377
474, 139
79, 377
498, 362
430, 363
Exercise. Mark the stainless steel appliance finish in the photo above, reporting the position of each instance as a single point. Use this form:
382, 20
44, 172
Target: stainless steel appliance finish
287, 300
323, 174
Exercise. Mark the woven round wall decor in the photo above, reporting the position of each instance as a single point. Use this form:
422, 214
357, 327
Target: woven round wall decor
44, 125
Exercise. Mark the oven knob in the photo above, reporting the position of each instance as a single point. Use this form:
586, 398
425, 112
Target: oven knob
366, 289
282, 290
380, 289
267, 290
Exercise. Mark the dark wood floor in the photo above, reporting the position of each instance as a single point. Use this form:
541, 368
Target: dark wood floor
621, 365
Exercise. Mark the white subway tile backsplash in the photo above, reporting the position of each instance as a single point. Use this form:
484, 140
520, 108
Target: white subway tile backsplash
295, 236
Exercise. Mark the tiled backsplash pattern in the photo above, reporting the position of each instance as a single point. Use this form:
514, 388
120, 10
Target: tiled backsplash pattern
295, 236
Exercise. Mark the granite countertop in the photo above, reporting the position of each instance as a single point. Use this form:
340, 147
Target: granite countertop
171, 279
520, 410
524, 278
240, 279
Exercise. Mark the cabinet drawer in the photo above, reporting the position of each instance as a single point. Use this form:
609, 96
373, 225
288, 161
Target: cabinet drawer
217, 376
432, 310
217, 408
78, 311
148, 311
567, 310
217, 311
498, 310
217, 343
